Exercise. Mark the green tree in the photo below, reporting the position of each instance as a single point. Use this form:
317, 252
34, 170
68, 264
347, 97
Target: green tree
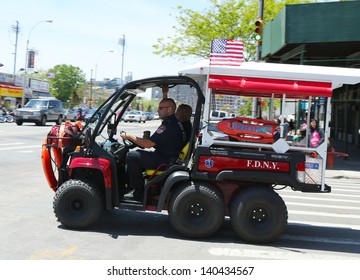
230, 19
40, 74
68, 83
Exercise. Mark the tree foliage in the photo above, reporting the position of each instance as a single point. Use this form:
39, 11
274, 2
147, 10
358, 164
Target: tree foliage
67, 82
230, 19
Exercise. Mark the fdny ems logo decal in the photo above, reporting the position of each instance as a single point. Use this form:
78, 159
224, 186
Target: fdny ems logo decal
209, 163
161, 129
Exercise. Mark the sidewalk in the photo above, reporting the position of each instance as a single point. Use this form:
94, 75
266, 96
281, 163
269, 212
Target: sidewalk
349, 166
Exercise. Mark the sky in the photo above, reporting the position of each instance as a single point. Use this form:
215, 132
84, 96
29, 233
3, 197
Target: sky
84, 32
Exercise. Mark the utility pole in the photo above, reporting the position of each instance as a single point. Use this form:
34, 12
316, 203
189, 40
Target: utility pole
122, 43
16, 30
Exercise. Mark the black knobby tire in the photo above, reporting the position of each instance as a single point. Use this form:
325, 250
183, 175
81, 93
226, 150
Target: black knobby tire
77, 205
258, 215
196, 210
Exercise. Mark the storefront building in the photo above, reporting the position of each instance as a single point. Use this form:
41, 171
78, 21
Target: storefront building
324, 34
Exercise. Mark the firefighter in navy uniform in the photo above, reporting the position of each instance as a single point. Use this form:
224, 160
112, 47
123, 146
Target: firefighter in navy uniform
167, 140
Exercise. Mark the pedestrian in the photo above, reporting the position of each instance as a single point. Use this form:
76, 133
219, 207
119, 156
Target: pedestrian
79, 114
300, 138
277, 133
167, 140
303, 124
317, 135
291, 126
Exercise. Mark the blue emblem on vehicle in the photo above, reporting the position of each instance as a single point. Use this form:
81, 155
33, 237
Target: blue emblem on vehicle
209, 163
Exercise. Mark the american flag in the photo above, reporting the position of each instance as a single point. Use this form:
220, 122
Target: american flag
226, 52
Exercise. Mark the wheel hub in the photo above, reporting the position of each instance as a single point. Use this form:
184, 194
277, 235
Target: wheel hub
258, 215
77, 205
196, 210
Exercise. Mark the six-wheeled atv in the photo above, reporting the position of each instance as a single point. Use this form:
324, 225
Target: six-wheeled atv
211, 179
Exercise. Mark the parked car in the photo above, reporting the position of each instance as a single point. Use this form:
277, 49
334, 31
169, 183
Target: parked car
70, 115
219, 115
149, 115
40, 111
89, 115
156, 116
135, 116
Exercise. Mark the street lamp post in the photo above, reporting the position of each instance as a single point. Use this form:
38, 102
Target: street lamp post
122, 43
26, 59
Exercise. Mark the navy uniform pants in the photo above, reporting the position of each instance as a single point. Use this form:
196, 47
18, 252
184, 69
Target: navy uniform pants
139, 160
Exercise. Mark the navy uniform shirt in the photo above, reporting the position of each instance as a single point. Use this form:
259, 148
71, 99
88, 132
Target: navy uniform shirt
188, 128
169, 138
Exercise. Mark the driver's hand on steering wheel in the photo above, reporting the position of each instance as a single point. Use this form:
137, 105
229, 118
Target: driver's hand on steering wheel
123, 135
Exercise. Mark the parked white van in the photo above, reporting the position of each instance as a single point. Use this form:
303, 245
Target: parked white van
219, 115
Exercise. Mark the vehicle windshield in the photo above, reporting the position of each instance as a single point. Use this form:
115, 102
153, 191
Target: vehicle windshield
37, 104
112, 114
105, 123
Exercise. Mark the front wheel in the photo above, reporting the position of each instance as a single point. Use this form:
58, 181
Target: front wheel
258, 215
77, 205
59, 120
196, 210
42, 122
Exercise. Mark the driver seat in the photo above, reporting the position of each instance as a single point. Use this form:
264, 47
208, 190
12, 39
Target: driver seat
181, 158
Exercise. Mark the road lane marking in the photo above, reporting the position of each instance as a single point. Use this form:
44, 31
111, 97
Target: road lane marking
324, 214
272, 253
11, 143
323, 206
21, 147
319, 199
320, 224
67, 254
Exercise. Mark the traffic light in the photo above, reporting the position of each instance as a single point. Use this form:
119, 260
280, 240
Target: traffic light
258, 30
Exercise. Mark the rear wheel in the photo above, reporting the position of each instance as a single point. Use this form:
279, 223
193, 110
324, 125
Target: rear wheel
77, 205
196, 210
258, 215
19, 122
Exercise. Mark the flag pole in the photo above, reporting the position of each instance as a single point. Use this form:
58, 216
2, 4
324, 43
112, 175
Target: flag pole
207, 92
207, 140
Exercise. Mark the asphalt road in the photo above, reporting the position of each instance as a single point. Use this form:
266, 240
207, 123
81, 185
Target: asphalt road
321, 226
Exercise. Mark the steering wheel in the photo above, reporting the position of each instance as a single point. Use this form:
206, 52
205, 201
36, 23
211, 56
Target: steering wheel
127, 143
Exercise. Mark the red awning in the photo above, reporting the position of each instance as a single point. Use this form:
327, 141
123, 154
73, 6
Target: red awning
265, 87
10, 87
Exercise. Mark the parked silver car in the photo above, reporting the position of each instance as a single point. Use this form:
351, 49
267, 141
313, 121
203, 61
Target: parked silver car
70, 115
135, 116
40, 111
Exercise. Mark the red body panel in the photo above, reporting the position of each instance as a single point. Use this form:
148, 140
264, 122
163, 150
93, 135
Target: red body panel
219, 163
95, 163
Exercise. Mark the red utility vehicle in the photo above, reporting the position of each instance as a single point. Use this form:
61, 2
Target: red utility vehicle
240, 177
